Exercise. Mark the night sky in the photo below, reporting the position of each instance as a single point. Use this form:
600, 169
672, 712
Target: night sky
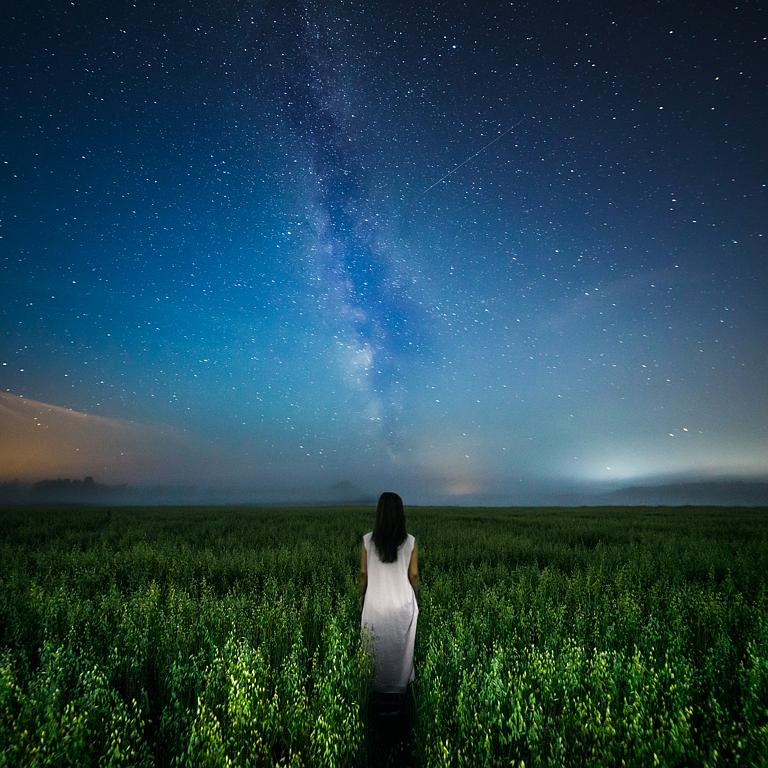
456, 250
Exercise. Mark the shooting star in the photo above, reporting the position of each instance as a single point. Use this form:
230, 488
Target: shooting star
472, 157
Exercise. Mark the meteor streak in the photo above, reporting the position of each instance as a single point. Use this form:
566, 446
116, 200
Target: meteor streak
471, 157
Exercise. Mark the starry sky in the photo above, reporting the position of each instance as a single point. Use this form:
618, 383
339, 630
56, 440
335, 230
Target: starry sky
460, 250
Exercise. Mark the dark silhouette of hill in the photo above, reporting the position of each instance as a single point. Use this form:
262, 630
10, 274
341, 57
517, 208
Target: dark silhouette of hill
725, 492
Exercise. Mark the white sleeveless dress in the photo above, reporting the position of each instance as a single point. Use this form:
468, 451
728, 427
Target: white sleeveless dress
389, 617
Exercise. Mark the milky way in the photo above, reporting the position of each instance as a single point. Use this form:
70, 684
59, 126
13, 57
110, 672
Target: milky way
470, 251
353, 267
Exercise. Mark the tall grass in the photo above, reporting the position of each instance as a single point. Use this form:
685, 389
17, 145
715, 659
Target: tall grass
212, 637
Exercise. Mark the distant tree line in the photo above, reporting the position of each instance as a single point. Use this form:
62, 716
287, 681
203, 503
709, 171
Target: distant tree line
60, 489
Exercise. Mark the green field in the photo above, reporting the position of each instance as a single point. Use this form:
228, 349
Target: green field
546, 637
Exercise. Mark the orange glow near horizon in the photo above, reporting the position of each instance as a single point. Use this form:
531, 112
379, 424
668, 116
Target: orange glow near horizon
46, 440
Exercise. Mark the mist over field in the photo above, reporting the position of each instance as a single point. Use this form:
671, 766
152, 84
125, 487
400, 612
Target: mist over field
676, 492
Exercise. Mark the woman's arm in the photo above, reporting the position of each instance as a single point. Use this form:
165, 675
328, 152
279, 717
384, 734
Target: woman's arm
413, 570
363, 577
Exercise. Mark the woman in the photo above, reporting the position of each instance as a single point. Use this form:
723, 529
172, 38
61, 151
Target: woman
389, 580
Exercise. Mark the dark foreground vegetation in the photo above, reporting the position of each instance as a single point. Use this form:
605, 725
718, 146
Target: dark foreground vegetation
547, 637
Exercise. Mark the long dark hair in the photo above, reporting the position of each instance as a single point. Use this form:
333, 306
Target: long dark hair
389, 530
